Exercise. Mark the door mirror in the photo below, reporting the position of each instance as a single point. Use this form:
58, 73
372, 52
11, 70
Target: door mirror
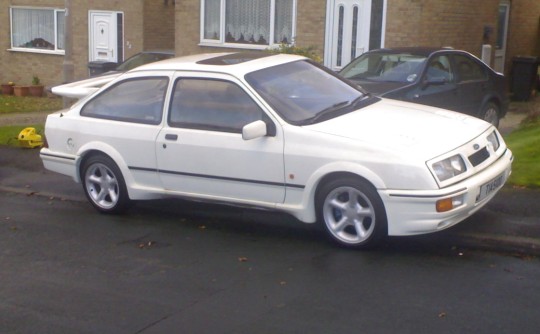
435, 81
254, 130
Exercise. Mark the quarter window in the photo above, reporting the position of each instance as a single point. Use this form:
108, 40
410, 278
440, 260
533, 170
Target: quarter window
468, 69
254, 22
135, 100
37, 29
214, 105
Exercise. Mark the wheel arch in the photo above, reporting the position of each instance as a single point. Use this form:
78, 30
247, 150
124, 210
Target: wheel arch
97, 148
491, 99
329, 173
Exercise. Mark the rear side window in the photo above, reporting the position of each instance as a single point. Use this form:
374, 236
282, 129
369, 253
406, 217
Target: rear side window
133, 100
468, 69
215, 105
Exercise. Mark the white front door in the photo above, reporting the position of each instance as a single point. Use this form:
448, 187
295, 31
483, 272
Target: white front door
103, 36
502, 34
347, 31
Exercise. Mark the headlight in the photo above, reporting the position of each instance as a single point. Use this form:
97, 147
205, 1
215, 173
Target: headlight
494, 141
449, 167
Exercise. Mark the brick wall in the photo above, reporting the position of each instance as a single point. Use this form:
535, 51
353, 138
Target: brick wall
311, 24
456, 23
524, 30
158, 27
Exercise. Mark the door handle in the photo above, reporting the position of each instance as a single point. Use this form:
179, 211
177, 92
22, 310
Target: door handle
170, 136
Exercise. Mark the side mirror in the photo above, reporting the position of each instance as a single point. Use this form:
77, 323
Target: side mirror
254, 130
436, 81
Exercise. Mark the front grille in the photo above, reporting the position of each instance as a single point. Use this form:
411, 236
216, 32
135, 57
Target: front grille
479, 157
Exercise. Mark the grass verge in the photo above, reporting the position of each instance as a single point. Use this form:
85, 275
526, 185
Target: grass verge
20, 104
525, 145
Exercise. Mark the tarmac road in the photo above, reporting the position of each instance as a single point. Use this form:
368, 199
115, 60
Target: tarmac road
509, 223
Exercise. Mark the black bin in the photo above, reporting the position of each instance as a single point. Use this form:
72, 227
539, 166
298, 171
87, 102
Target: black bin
524, 76
100, 67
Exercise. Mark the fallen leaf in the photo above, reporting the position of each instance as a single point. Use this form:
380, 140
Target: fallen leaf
148, 244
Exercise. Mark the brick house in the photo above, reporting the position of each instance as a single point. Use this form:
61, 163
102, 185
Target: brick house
31, 42
338, 30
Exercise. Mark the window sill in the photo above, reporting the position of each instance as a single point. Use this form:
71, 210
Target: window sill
236, 46
49, 52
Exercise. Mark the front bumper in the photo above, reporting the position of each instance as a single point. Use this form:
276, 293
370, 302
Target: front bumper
414, 212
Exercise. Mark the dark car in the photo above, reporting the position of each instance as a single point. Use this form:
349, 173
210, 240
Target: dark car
144, 57
439, 77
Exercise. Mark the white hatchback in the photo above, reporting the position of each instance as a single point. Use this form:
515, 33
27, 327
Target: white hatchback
277, 132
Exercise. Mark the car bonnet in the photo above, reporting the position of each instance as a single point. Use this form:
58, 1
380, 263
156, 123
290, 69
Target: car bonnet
405, 128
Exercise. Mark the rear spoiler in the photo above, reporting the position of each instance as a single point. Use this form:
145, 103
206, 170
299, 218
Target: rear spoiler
82, 88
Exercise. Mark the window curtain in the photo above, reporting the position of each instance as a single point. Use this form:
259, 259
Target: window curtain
212, 19
33, 28
247, 22
61, 26
283, 22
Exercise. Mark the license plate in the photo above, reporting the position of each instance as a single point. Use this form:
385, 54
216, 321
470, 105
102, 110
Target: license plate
490, 187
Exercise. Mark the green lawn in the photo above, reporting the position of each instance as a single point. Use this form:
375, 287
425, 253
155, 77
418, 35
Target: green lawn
525, 144
18, 104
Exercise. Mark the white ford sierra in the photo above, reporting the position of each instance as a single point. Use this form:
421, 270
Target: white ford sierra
277, 132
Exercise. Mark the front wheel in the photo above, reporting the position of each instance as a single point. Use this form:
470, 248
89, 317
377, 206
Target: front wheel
352, 213
490, 113
104, 185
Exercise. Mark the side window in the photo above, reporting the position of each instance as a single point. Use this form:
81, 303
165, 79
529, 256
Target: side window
132, 100
215, 105
468, 69
439, 68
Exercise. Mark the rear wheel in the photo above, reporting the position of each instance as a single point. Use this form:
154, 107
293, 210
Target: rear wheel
104, 185
352, 213
490, 113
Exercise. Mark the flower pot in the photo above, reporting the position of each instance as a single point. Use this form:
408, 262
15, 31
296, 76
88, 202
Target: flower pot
21, 90
36, 90
7, 89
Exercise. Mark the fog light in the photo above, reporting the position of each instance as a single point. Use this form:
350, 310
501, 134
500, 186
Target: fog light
448, 204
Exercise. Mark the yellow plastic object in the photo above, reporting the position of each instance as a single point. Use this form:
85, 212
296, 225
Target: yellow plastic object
29, 138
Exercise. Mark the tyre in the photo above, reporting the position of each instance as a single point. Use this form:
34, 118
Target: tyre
490, 113
104, 185
352, 213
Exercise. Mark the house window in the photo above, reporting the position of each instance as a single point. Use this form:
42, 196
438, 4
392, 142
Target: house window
37, 29
257, 23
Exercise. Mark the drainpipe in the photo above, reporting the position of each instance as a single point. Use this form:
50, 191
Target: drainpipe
67, 66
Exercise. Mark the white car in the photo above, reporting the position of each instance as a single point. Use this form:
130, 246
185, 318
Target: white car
277, 132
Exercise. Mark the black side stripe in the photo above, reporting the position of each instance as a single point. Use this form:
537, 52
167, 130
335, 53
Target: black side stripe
215, 177
57, 156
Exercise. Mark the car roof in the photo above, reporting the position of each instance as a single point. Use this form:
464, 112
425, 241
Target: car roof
414, 50
238, 63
